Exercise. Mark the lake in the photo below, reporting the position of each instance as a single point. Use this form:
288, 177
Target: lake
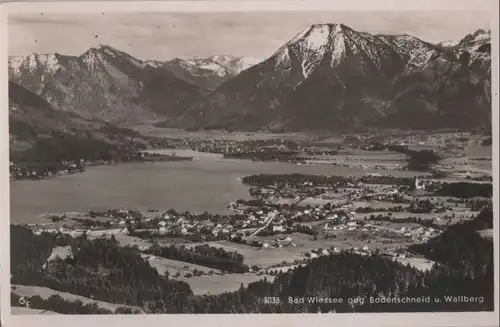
206, 183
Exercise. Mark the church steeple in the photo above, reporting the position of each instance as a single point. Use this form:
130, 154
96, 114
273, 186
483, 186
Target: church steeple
418, 185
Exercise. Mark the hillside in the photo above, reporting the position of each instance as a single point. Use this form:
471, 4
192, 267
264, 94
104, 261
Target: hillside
34, 125
330, 76
104, 83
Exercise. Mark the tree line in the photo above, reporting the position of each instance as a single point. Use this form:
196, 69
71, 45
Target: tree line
203, 255
465, 190
58, 304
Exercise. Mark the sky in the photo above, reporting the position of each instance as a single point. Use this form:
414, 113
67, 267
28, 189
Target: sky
164, 36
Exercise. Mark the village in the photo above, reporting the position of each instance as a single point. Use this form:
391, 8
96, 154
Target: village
287, 223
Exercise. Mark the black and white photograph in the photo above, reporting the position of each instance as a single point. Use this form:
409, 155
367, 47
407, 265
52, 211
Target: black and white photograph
251, 162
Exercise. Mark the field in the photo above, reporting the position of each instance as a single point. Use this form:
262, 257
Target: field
402, 215
418, 263
173, 266
45, 293
267, 257
61, 251
487, 233
363, 159
126, 240
374, 204
151, 130
219, 284
259, 256
28, 311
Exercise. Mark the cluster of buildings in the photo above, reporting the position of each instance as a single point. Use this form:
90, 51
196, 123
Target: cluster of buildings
222, 146
40, 171
268, 218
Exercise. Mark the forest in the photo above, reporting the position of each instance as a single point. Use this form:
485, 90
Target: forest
417, 160
263, 180
98, 269
66, 147
266, 180
466, 190
460, 247
203, 255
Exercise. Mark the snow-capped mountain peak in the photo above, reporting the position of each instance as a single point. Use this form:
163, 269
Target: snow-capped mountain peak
223, 64
92, 58
109, 50
105, 54
328, 45
34, 61
449, 43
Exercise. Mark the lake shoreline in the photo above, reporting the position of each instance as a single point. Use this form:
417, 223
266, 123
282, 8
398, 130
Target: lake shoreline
208, 182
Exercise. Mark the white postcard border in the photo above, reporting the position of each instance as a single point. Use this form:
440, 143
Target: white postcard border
264, 320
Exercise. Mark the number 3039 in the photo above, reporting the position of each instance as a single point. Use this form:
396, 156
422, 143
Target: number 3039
271, 300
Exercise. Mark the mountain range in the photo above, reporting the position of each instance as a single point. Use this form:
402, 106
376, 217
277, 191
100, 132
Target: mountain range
207, 73
105, 83
332, 77
328, 76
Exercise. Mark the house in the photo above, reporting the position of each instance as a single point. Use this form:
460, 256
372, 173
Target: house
418, 185
75, 233
278, 228
332, 217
